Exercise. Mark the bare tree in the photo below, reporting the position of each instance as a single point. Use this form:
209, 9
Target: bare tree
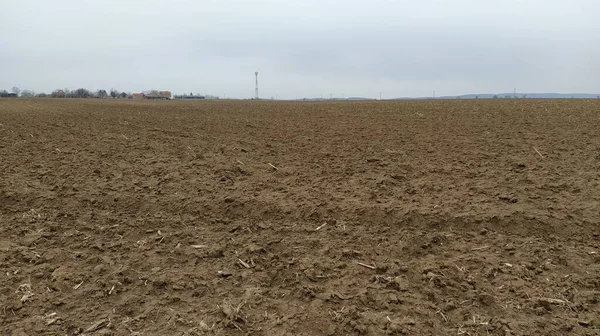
27, 93
81, 93
16, 90
102, 94
114, 93
58, 94
41, 95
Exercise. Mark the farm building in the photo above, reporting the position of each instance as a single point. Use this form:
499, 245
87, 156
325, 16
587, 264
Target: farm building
165, 94
5, 94
153, 95
194, 97
190, 96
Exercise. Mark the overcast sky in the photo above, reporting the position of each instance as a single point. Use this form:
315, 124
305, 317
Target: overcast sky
302, 48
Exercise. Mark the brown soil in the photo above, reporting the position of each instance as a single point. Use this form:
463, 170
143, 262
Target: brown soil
398, 218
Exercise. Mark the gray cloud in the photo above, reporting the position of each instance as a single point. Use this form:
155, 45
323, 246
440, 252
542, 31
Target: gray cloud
302, 48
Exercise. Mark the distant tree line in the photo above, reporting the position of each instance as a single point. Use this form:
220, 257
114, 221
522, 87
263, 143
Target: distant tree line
66, 93
14, 92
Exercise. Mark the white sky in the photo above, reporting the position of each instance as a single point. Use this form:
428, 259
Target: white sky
302, 48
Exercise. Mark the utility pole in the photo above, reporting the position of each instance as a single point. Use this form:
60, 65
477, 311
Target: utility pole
256, 87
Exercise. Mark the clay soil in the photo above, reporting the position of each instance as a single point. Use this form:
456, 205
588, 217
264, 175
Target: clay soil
300, 218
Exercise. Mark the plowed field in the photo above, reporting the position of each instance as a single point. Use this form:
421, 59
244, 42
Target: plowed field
457, 217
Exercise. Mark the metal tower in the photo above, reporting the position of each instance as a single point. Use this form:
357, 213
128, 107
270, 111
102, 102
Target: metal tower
256, 88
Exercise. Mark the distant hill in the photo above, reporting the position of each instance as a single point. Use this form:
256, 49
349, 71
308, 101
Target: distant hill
330, 99
519, 95
479, 96
358, 98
